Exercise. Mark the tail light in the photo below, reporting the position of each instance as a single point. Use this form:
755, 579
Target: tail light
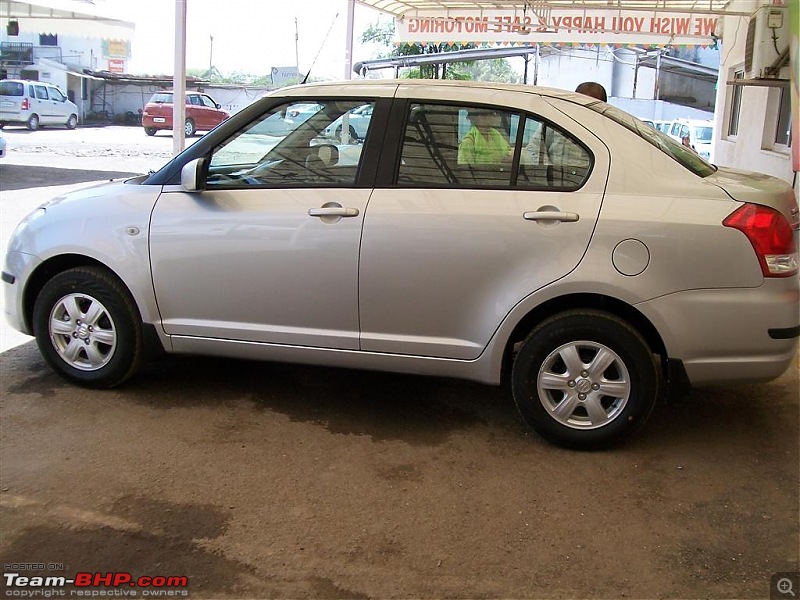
771, 236
26, 104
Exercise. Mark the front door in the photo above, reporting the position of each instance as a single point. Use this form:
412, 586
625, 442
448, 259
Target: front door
269, 251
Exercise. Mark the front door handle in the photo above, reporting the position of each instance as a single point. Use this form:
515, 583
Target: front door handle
551, 215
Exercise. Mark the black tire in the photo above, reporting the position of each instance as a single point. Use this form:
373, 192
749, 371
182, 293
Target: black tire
189, 128
72, 122
88, 328
585, 379
2, 124
150, 130
33, 122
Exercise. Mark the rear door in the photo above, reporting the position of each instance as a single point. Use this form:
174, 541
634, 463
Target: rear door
42, 105
451, 244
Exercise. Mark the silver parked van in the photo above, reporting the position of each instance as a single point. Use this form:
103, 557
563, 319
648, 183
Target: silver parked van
35, 104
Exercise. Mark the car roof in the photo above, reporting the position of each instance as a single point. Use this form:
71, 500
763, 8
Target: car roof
432, 85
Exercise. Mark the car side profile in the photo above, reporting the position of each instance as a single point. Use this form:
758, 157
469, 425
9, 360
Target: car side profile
35, 104
591, 261
202, 113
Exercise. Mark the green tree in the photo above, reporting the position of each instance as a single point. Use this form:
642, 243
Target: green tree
497, 69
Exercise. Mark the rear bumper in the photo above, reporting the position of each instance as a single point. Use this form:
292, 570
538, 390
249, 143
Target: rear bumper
730, 335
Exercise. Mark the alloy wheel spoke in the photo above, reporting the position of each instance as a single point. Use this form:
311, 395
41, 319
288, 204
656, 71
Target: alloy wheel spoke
96, 358
555, 381
73, 310
597, 414
563, 411
602, 360
615, 389
104, 336
572, 360
95, 312
73, 350
61, 327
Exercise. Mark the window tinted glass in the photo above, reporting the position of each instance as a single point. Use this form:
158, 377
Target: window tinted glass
161, 98
685, 156
194, 100
475, 147
551, 158
56, 94
12, 88
456, 145
208, 102
288, 147
41, 92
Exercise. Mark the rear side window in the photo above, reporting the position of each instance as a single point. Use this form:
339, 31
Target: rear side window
41, 92
685, 156
161, 98
482, 146
12, 88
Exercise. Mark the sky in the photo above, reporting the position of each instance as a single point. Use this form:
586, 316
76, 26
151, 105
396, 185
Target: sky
250, 36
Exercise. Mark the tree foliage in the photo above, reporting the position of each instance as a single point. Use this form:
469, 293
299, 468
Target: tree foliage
484, 70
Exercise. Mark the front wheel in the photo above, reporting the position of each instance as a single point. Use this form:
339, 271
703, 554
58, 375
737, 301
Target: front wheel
188, 128
585, 379
88, 328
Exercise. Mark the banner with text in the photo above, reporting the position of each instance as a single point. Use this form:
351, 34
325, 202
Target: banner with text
579, 26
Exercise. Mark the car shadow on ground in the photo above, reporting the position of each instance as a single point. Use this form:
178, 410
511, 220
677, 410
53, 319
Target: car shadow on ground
18, 177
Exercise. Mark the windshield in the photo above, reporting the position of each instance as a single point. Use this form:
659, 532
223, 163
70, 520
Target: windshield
703, 134
684, 155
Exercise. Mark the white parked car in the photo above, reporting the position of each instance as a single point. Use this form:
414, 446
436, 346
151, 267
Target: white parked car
700, 134
483, 231
35, 104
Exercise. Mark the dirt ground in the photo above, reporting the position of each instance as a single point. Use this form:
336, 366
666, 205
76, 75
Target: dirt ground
262, 480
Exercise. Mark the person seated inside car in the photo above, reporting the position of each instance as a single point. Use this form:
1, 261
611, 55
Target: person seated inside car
484, 142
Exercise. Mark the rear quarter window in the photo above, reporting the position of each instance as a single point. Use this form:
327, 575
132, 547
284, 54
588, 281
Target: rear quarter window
12, 88
161, 98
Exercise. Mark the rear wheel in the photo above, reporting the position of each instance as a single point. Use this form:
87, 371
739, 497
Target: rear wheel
189, 128
88, 328
72, 122
150, 130
33, 122
585, 379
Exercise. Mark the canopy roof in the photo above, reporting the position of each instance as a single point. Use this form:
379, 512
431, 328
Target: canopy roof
72, 16
400, 8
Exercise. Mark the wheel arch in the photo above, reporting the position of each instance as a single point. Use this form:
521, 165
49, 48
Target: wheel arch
153, 344
602, 302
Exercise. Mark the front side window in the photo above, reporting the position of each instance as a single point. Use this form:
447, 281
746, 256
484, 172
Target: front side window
208, 102
278, 151
41, 92
55, 94
483, 146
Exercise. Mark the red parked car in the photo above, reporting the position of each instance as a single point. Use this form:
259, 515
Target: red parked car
202, 113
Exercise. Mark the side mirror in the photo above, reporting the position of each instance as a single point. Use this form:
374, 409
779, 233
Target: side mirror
218, 105
193, 175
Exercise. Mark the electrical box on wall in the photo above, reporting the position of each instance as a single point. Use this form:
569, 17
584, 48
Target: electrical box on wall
767, 44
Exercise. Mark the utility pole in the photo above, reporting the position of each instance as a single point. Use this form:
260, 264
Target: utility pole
296, 47
211, 53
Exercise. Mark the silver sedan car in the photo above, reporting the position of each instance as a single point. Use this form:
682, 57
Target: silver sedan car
480, 231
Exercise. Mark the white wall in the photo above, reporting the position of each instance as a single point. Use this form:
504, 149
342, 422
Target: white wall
749, 149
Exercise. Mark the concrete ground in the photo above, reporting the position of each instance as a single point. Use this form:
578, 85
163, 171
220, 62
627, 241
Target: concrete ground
262, 480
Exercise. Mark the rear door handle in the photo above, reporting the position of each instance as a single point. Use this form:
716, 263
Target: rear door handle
551, 215
333, 211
